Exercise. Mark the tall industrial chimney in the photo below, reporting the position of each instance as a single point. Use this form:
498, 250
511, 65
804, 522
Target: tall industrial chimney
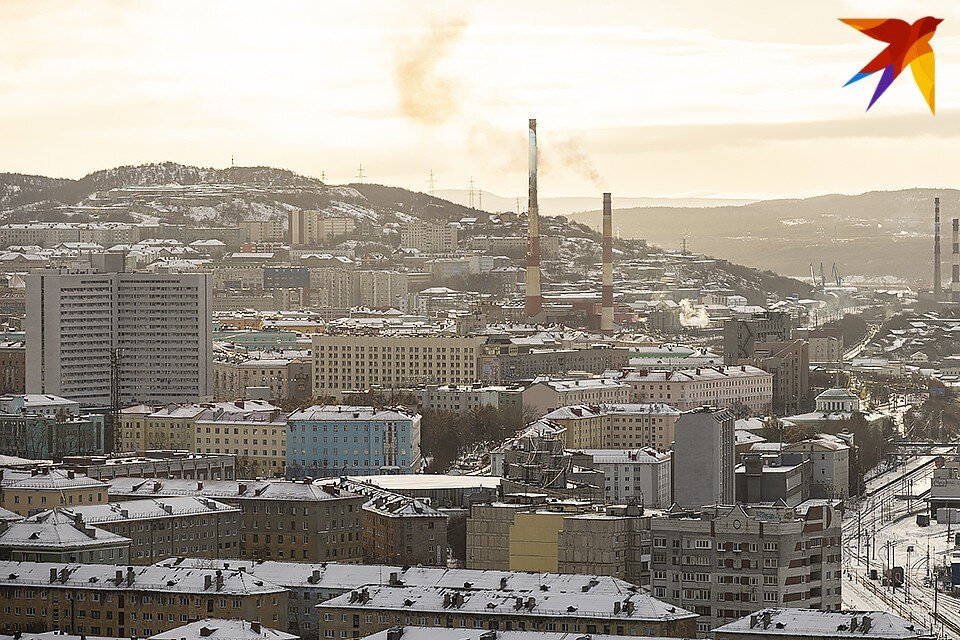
606, 297
955, 275
533, 302
936, 250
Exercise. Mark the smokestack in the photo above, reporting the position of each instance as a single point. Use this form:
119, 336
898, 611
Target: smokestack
936, 250
955, 276
533, 302
606, 297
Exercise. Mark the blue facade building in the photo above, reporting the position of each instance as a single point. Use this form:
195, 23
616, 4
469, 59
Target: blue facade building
341, 440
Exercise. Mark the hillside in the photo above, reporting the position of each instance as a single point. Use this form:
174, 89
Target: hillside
872, 234
181, 194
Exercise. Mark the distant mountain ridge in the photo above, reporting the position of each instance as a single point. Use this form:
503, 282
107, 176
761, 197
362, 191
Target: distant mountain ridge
878, 233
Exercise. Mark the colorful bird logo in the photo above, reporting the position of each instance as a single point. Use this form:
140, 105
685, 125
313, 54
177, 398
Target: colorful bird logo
906, 44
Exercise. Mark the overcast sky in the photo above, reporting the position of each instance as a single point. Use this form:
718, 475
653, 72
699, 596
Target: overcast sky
642, 98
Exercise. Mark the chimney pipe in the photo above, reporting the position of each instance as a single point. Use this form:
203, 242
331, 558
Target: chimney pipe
533, 302
606, 312
955, 276
936, 249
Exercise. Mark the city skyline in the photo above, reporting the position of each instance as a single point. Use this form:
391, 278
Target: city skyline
634, 98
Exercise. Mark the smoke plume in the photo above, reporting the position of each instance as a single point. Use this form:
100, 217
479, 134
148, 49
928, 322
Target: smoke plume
693, 317
426, 95
572, 155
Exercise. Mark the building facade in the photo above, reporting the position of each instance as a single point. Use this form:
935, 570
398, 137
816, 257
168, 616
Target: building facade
743, 388
704, 458
153, 329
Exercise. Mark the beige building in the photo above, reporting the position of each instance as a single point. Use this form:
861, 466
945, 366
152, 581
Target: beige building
741, 386
255, 432
727, 562
168, 527
284, 378
262, 230
280, 519
543, 396
308, 227
617, 426
171, 427
349, 362
109, 601
29, 492
428, 237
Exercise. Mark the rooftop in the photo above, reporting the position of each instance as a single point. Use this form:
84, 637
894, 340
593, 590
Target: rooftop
809, 622
218, 629
226, 489
633, 606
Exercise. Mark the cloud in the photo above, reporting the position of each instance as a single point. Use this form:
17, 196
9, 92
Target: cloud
426, 94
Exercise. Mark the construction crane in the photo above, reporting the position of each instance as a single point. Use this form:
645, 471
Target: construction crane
813, 276
836, 275
823, 278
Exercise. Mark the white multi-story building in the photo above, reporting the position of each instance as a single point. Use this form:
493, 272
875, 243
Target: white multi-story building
724, 387
640, 475
704, 459
429, 237
154, 329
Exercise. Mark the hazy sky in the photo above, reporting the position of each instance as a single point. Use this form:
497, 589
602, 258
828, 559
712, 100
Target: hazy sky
681, 97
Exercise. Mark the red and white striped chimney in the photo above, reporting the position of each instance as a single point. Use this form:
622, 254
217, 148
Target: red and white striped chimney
606, 297
533, 302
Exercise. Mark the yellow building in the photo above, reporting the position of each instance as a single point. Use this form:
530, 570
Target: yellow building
350, 362
254, 431
29, 492
533, 541
617, 426
170, 427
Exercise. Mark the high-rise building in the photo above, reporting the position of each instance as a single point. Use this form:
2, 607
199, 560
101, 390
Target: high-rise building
704, 458
152, 331
740, 334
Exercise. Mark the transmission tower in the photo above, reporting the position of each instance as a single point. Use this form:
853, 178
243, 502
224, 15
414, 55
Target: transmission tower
471, 192
433, 183
360, 174
480, 199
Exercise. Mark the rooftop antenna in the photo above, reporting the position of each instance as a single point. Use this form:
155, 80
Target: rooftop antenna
360, 174
433, 183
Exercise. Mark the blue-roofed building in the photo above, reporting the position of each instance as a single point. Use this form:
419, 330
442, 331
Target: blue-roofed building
335, 440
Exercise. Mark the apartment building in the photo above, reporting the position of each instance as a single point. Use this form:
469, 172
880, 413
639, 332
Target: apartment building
727, 562
740, 335
255, 432
466, 398
312, 583
514, 362
640, 476
826, 344
305, 521
704, 458
350, 362
428, 237
13, 366
50, 234
340, 440
381, 289
154, 329
154, 463
742, 387
165, 527
789, 362
29, 492
109, 601
258, 231
308, 227
55, 536
371, 609
545, 395
47, 427
284, 378
167, 427
617, 426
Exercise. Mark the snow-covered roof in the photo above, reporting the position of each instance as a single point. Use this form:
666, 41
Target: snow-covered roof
154, 578
171, 507
57, 530
341, 413
227, 489
810, 622
497, 602
219, 629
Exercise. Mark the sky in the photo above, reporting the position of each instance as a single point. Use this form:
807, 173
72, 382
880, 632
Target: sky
739, 98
